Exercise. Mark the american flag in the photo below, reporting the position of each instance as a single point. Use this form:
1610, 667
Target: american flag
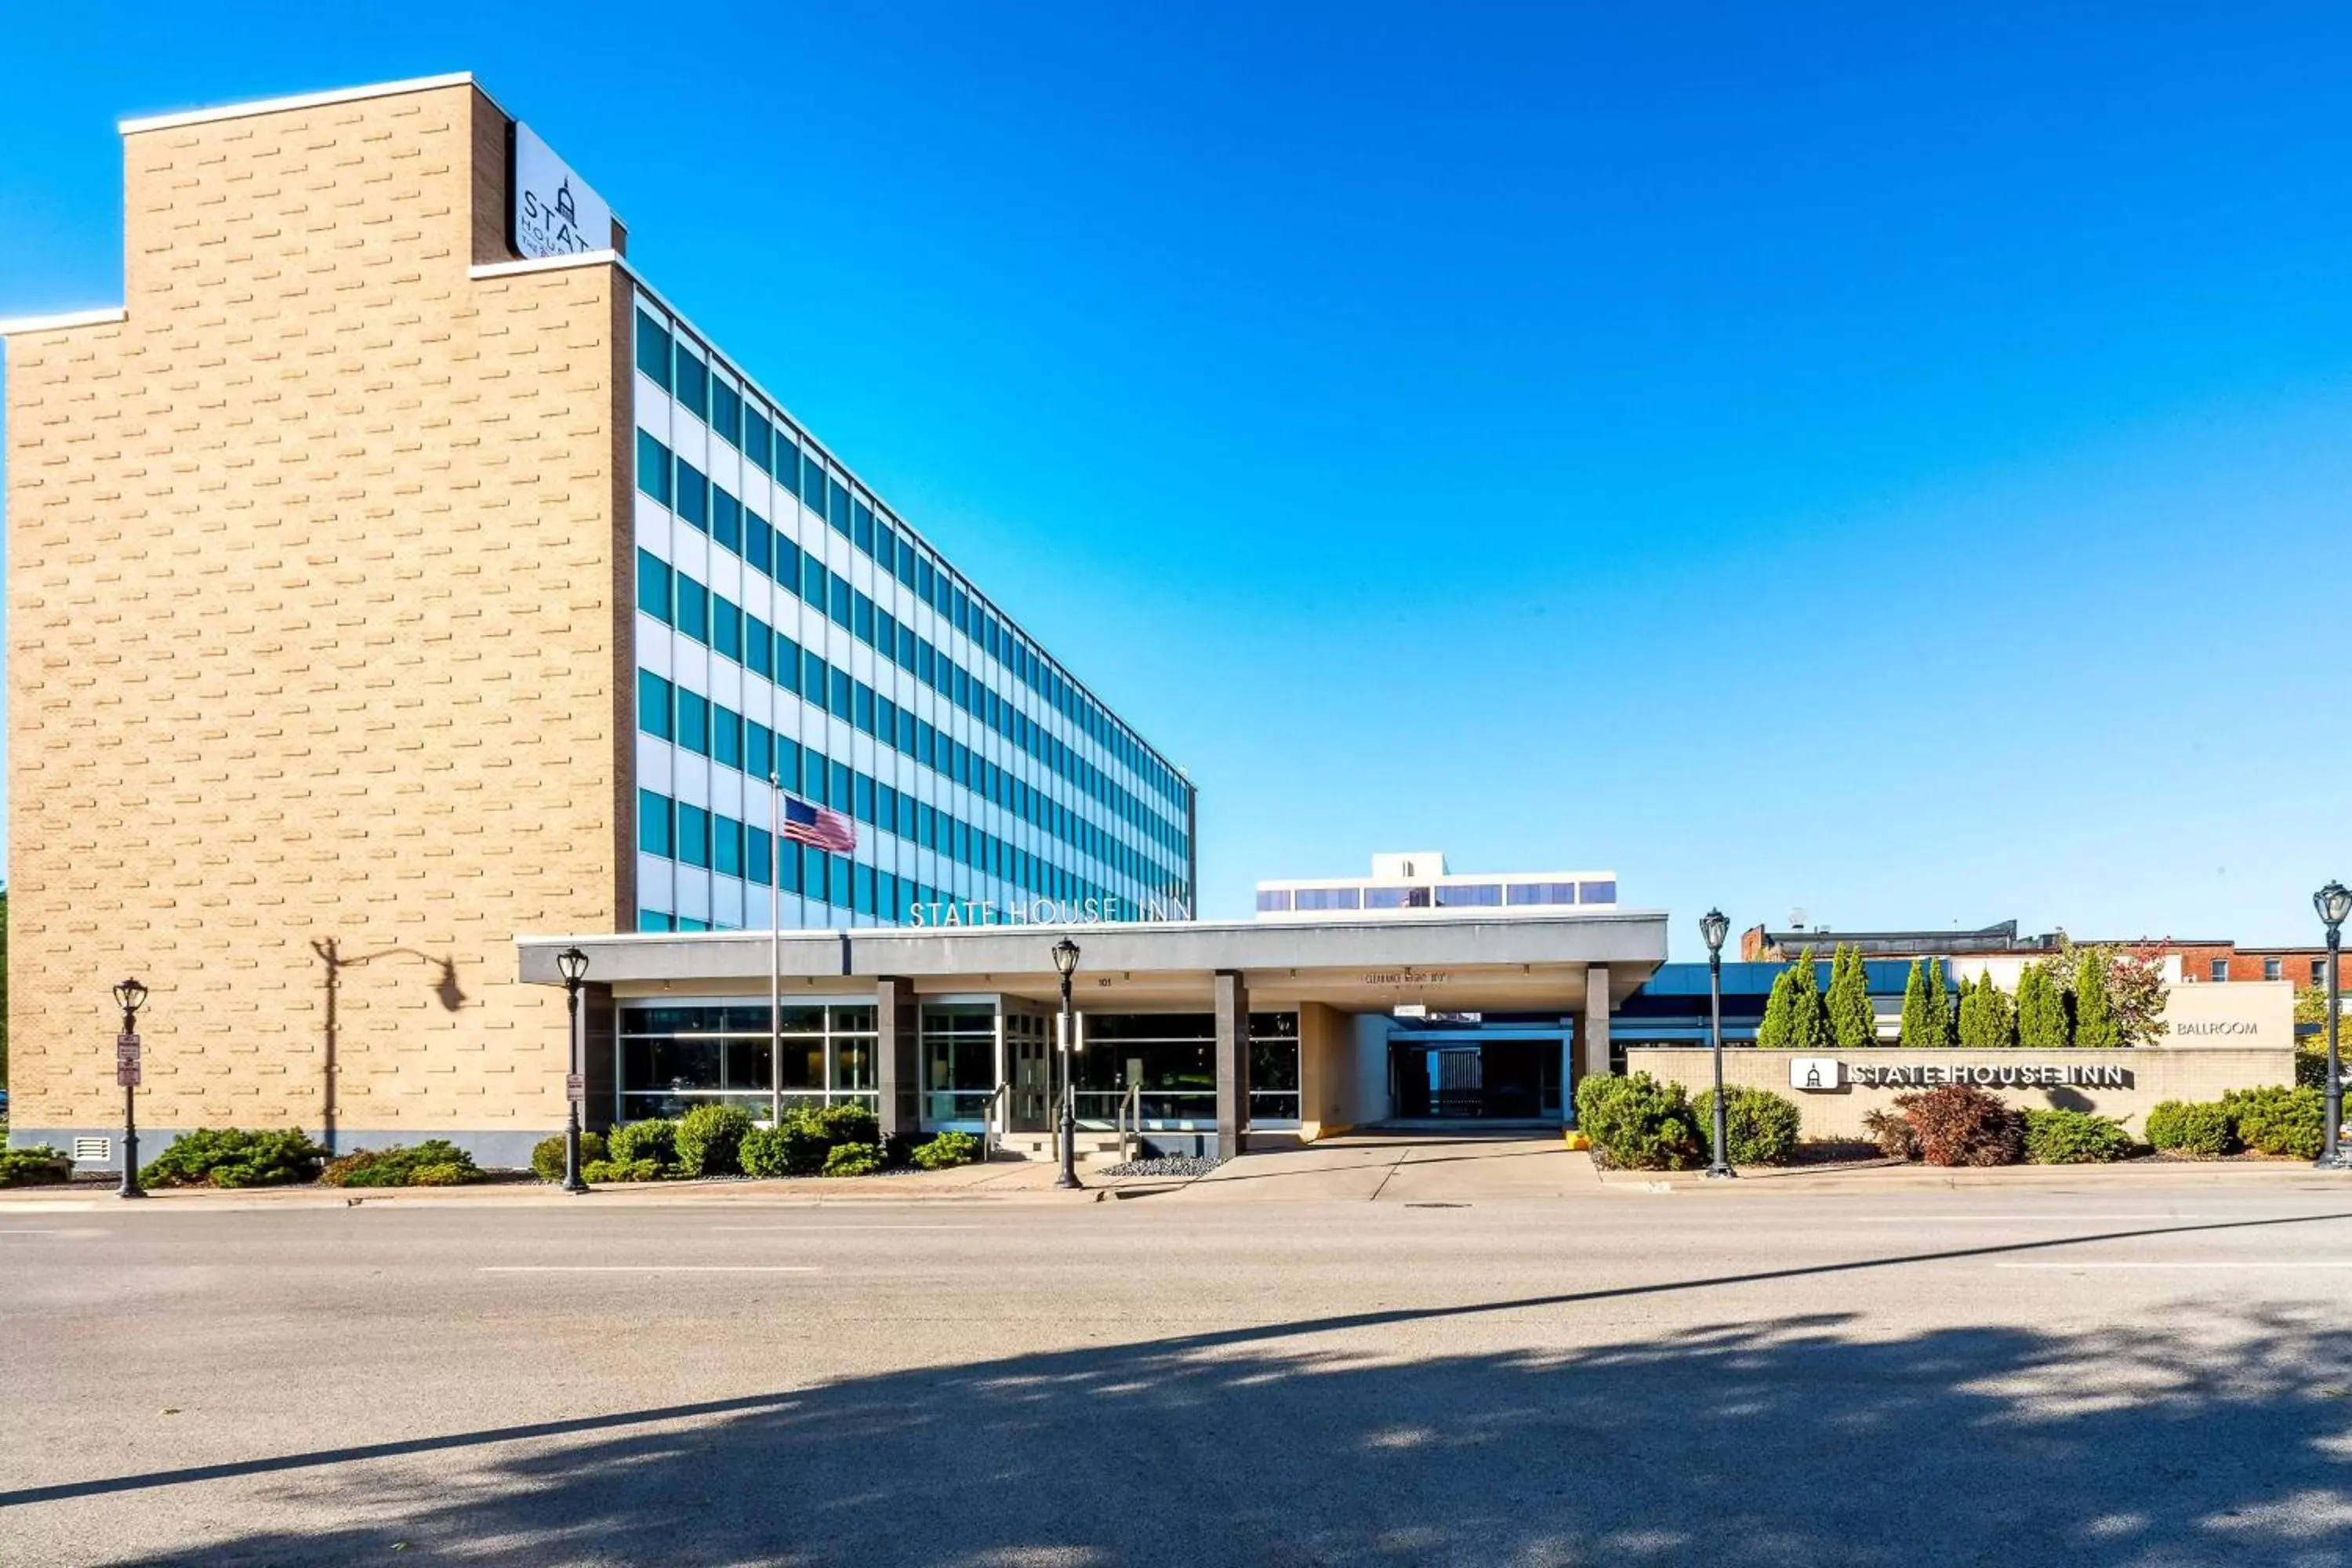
817, 828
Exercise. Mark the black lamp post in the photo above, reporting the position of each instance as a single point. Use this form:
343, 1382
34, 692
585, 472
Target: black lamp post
130, 995
573, 964
2333, 903
1713, 926
1066, 959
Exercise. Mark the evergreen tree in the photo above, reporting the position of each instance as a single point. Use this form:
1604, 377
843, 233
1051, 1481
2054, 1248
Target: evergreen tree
2041, 1011
1852, 1022
1973, 1019
1809, 1021
2094, 1014
1915, 1009
1940, 1006
1774, 1033
2001, 1016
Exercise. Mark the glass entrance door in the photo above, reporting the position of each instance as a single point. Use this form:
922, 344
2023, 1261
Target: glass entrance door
1029, 1061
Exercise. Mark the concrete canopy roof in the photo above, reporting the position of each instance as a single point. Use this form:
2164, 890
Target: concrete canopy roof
1500, 962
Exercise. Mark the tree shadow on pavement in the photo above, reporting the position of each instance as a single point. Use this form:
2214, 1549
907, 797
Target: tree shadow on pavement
1800, 1441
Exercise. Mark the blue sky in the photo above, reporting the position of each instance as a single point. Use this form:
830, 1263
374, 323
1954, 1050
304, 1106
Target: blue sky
1884, 460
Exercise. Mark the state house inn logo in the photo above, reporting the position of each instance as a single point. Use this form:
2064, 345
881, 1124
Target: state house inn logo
1823, 1073
1049, 912
555, 213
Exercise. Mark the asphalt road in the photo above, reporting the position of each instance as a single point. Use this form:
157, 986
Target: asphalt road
2159, 1376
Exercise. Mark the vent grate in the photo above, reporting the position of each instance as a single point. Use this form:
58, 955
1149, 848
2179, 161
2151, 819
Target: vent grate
93, 1149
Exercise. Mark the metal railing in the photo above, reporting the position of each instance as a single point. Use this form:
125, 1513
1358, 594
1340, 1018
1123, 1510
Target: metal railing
1130, 1122
991, 1119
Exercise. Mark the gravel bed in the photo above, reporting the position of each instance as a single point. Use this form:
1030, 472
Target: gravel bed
1165, 1166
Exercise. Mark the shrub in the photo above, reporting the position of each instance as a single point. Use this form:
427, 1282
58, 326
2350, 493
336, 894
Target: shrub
435, 1162
2186, 1127
1637, 1123
547, 1155
852, 1160
1960, 1124
795, 1146
946, 1150
2277, 1121
36, 1165
1892, 1132
850, 1124
709, 1140
1759, 1126
2074, 1138
634, 1143
234, 1157
621, 1170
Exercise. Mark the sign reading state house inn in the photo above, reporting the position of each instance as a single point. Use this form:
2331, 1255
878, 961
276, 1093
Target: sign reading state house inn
555, 213
1831, 1073
1047, 911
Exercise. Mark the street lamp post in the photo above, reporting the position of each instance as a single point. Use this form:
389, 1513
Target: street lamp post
2333, 903
1066, 959
130, 995
1713, 926
573, 964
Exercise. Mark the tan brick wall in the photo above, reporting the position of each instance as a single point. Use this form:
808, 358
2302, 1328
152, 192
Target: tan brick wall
2157, 1073
317, 566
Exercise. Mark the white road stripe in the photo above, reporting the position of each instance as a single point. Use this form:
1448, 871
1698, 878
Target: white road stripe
2021, 1218
2191, 1263
648, 1268
825, 1229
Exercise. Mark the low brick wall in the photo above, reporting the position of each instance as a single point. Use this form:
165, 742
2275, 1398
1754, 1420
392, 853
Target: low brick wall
2122, 1084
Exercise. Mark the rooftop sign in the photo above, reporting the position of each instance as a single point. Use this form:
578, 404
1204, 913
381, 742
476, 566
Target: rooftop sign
555, 213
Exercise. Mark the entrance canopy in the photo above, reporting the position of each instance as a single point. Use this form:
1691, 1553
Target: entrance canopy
1542, 961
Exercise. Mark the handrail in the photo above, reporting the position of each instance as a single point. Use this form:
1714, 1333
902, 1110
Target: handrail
1129, 1124
989, 1129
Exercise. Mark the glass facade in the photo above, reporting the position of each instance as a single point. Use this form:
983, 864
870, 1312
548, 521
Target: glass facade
673, 1057
792, 626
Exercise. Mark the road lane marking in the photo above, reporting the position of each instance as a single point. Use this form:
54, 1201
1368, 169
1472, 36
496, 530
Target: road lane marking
647, 1268
827, 1230
1988, 1218
2191, 1263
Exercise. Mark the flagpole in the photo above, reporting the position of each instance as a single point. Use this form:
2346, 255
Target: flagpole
775, 950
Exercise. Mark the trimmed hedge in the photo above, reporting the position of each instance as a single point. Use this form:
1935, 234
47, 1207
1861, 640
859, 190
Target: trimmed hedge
621, 1170
1637, 1123
709, 1141
1760, 1126
852, 1160
34, 1166
636, 1143
234, 1157
2277, 1121
795, 1146
946, 1151
2074, 1137
435, 1162
2188, 1127
547, 1155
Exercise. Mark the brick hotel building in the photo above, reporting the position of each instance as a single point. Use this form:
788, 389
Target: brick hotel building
395, 572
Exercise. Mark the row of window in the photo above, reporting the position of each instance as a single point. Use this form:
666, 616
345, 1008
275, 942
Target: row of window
695, 723
1445, 896
768, 441
711, 509
696, 836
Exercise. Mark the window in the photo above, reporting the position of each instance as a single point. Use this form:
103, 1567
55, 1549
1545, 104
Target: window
2218, 969
1543, 892
759, 647
759, 749
727, 413
2319, 972
862, 708
1326, 898
759, 436
653, 468
1273, 900
839, 599
726, 628
759, 541
813, 671
812, 575
693, 503
812, 483
693, 723
652, 704
651, 920
726, 736
693, 609
838, 698
693, 836
2273, 969
836, 506
1396, 897
861, 524
726, 845
1596, 893
653, 821
788, 664
693, 389
788, 463
1471, 895
726, 519
653, 586
862, 802
653, 349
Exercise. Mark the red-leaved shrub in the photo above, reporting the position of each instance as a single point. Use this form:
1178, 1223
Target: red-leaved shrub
1960, 1124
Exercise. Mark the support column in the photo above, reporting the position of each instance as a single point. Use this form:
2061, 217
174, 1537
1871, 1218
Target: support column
898, 1050
1232, 1058
1596, 1020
